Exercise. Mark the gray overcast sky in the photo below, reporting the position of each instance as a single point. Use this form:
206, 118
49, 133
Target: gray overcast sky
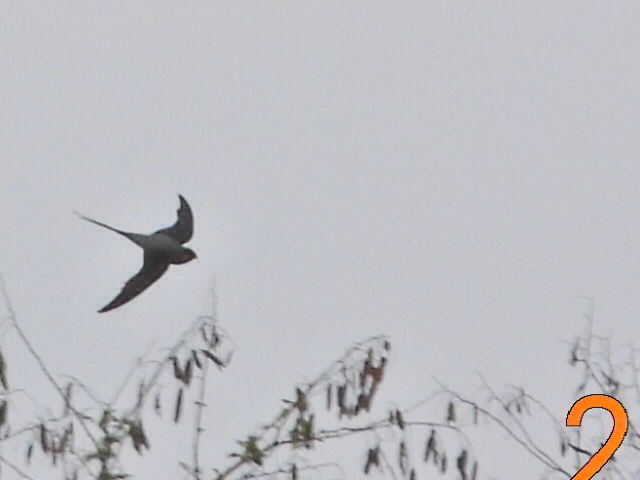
452, 174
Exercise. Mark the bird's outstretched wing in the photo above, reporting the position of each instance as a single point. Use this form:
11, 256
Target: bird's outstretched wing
151, 271
182, 230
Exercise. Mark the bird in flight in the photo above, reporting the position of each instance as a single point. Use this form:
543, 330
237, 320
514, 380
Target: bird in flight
160, 249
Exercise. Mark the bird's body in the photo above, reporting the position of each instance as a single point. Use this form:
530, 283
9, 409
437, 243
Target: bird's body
159, 243
161, 249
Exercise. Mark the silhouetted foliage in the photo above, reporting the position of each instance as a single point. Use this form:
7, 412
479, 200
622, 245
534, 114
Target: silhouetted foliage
85, 437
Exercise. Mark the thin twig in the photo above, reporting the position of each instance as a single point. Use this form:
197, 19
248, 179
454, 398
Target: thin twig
15, 469
38, 358
280, 421
202, 389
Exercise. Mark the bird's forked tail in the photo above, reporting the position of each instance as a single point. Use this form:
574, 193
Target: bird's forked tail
102, 224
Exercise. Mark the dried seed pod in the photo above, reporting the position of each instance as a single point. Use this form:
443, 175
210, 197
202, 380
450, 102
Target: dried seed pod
3, 412
451, 413
378, 372
443, 463
157, 404
66, 437
461, 463
203, 332
178, 410
44, 438
399, 419
215, 338
29, 453
140, 398
301, 401
213, 358
402, 457
362, 376
364, 402
177, 371
3, 372
67, 397
342, 391
188, 372
430, 449
138, 437
196, 359
372, 459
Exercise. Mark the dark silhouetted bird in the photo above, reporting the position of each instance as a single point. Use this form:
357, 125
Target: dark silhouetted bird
160, 249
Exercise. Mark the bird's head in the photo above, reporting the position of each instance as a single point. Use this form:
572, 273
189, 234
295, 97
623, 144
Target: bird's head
186, 255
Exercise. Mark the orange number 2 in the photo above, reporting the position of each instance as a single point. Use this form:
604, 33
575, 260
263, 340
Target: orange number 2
620, 426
